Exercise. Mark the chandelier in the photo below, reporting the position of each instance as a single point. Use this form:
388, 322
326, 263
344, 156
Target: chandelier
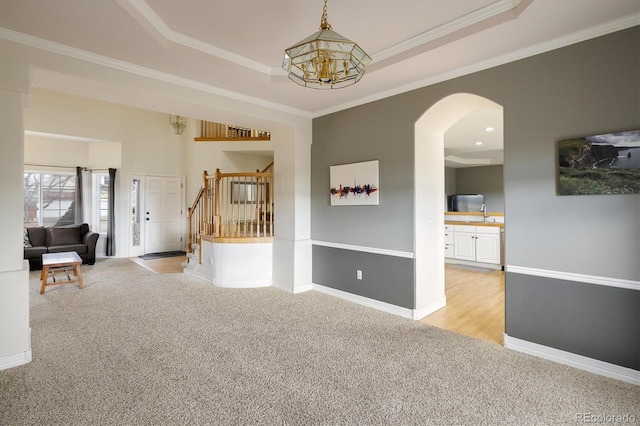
325, 60
177, 123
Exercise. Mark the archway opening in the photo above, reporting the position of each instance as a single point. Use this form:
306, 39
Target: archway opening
430, 198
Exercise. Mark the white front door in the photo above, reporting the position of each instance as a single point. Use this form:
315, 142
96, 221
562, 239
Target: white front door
163, 214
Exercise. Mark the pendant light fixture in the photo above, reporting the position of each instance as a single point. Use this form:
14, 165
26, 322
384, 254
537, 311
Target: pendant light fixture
177, 123
325, 60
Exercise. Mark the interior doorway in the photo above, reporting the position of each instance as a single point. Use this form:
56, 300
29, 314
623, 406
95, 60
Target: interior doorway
439, 292
475, 304
163, 214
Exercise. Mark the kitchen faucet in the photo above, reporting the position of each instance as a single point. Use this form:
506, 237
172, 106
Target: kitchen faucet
483, 209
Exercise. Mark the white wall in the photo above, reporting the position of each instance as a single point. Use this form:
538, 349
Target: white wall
15, 336
68, 130
230, 157
41, 150
148, 144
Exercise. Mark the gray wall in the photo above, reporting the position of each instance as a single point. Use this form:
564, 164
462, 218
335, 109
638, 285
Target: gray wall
538, 310
587, 88
449, 183
487, 181
385, 278
352, 136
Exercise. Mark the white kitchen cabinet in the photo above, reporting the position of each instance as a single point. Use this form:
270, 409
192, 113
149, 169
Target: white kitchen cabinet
488, 244
477, 244
464, 243
448, 241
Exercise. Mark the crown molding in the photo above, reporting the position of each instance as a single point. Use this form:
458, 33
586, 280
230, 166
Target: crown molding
576, 37
468, 161
495, 9
83, 55
141, 12
276, 74
153, 23
58, 136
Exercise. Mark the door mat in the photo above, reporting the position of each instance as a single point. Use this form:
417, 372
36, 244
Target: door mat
162, 254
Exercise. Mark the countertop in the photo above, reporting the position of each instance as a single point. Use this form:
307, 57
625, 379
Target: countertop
453, 222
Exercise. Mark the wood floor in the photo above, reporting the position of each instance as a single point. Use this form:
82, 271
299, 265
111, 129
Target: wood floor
164, 265
475, 304
475, 300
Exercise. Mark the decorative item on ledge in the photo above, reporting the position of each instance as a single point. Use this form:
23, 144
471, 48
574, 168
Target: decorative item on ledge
217, 132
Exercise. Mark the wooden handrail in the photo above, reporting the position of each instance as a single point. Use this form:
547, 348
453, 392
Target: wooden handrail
191, 232
269, 167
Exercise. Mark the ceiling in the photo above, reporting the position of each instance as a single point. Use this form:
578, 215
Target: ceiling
235, 47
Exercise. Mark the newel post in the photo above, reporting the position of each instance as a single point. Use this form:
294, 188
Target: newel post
217, 202
205, 207
189, 231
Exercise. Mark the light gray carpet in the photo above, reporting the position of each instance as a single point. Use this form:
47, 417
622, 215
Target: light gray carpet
137, 348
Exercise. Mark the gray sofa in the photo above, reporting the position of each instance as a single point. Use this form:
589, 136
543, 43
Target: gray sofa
55, 239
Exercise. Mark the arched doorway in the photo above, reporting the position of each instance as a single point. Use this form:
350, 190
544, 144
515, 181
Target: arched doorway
429, 196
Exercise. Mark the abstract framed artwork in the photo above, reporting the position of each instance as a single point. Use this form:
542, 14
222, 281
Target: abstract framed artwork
600, 164
354, 184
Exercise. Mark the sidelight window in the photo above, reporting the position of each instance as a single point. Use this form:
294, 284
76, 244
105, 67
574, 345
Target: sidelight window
101, 191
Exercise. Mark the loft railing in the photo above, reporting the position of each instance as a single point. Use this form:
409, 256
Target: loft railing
211, 131
233, 207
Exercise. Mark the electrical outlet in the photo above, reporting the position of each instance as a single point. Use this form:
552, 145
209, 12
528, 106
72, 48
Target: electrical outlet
358, 274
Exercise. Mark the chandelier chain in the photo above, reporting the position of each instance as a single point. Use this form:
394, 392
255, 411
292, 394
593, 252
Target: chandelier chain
324, 25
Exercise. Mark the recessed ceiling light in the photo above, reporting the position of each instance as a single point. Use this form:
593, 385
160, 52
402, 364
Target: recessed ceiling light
479, 143
488, 129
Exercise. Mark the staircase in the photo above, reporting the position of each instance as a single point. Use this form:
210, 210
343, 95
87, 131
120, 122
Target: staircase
232, 219
192, 258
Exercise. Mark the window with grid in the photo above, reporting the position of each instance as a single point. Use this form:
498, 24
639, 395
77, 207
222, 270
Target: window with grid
49, 199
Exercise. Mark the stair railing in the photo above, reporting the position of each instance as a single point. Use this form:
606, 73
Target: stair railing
233, 208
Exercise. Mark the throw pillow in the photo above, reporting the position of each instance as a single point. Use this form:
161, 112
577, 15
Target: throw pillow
25, 238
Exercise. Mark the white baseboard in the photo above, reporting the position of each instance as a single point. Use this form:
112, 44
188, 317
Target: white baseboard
194, 273
15, 360
361, 300
302, 288
243, 284
577, 361
420, 313
296, 290
281, 286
